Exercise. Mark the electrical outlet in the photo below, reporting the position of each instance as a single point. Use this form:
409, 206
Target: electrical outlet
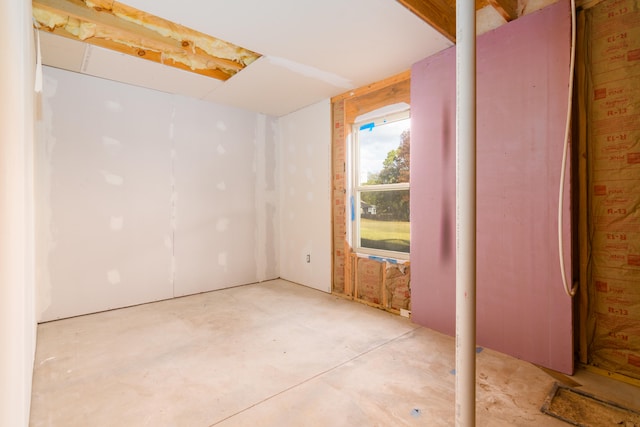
405, 313
308, 258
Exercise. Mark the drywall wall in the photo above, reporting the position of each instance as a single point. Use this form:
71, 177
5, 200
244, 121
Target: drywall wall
305, 197
522, 72
146, 196
225, 206
105, 185
17, 301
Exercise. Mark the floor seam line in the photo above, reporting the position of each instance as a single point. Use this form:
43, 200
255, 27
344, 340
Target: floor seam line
326, 371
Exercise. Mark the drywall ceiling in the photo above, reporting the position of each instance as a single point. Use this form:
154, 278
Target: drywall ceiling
311, 50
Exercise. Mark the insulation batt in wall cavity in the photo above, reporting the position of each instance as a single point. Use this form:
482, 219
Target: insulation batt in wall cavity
379, 282
397, 281
369, 280
339, 189
613, 147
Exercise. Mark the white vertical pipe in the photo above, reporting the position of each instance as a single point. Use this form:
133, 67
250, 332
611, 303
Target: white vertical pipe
465, 213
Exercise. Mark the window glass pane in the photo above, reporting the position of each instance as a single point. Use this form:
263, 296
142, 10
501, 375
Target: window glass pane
384, 152
384, 220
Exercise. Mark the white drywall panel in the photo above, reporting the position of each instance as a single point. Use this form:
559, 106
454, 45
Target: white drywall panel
334, 36
106, 182
222, 238
305, 196
258, 85
146, 196
17, 320
61, 52
108, 64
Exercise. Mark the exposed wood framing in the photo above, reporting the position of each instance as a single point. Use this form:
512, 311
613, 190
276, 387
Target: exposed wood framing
356, 278
383, 286
507, 8
356, 106
580, 123
349, 262
346, 107
441, 14
609, 374
587, 4
365, 90
338, 193
119, 27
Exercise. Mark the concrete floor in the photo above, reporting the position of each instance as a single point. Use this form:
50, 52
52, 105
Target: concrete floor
270, 354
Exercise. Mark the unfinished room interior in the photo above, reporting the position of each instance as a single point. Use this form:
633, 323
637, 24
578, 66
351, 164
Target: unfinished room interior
320, 213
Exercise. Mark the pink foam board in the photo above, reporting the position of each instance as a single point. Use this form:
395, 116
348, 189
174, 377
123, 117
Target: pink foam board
522, 86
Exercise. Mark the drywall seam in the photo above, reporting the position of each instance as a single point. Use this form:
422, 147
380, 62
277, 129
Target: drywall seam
312, 72
272, 202
47, 243
172, 220
260, 188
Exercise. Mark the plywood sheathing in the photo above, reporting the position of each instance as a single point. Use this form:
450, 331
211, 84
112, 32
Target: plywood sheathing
116, 26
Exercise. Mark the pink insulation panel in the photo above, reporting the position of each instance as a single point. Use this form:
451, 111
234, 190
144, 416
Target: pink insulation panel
522, 87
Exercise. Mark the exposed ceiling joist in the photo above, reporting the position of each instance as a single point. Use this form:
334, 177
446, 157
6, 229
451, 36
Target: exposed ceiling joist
507, 8
119, 27
441, 14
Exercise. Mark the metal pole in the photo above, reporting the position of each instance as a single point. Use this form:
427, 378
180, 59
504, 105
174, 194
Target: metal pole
465, 213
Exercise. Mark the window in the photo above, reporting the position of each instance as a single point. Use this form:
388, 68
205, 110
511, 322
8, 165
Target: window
380, 189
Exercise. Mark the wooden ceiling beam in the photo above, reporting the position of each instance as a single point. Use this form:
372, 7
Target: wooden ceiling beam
373, 87
127, 30
507, 8
441, 14
149, 55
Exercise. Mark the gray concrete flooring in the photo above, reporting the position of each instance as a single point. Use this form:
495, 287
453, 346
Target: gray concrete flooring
269, 354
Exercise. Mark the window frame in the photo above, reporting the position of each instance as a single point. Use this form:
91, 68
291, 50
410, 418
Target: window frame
357, 188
